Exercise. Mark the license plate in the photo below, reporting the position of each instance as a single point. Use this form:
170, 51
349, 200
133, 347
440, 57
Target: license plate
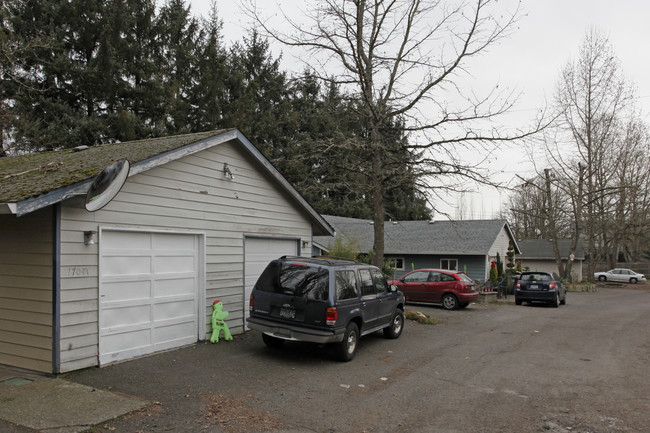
288, 313
534, 286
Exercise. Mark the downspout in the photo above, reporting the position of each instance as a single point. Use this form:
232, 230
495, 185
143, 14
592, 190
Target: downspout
56, 288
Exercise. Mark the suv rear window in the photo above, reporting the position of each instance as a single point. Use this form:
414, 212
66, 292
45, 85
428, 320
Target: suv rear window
295, 279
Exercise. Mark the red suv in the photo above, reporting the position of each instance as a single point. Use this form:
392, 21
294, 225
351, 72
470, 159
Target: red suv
451, 289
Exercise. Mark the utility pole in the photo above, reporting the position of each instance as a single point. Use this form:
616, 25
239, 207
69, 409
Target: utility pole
551, 223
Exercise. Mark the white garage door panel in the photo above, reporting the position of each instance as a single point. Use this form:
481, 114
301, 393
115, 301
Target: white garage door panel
174, 287
149, 293
133, 341
126, 264
173, 242
173, 332
123, 316
174, 264
115, 291
135, 240
173, 309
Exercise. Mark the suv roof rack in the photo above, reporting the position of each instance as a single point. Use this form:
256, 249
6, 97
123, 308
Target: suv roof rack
320, 259
336, 258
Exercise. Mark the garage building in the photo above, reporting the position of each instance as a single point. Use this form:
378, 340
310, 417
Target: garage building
197, 219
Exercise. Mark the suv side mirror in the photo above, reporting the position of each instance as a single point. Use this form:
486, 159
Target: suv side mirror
393, 288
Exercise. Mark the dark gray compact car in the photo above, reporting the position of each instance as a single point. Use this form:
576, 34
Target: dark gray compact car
324, 301
540, 286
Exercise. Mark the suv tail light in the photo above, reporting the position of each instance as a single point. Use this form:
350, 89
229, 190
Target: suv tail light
330, 316
551, 285
251, 304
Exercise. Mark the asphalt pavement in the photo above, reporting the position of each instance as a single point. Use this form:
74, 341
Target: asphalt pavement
489, 368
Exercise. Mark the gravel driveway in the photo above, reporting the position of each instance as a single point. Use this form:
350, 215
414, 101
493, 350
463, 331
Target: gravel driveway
580, 368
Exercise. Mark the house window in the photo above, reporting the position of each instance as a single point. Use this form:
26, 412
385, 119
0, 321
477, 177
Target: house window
396, 263
449, 264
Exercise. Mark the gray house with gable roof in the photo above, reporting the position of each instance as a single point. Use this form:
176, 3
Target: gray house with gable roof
538, 255
198, 219
466, 245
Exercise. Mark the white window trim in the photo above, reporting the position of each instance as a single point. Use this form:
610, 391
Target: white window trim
449, 261
392, 261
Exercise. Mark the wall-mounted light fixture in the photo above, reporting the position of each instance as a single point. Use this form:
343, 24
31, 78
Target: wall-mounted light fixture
90, 237
305, 244
227, 174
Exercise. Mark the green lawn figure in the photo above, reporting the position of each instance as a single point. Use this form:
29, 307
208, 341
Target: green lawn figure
219, 323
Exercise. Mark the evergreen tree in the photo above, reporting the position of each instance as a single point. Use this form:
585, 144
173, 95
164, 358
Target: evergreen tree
208, 95
178, 33
139, 104
258, 97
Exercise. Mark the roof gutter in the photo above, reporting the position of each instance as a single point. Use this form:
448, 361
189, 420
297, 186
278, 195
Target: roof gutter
51, 198
8, 208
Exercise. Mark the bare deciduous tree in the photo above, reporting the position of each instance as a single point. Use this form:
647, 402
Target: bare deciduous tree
405, 60
598, 152
594, 100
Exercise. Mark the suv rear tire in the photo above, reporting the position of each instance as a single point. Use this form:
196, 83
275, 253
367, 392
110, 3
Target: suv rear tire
394, 330
347, 348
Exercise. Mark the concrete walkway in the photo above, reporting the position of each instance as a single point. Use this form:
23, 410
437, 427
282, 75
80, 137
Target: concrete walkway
52, 405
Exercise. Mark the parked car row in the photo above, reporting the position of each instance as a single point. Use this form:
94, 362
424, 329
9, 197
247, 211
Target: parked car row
333, 301
338, 301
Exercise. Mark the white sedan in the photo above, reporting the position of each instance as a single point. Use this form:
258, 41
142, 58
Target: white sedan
624, 275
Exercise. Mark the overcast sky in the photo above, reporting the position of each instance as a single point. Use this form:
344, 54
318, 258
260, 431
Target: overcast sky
548, 36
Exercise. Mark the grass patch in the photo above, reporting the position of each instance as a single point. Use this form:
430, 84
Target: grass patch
419, 317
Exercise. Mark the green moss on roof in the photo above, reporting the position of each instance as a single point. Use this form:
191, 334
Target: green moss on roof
26, 176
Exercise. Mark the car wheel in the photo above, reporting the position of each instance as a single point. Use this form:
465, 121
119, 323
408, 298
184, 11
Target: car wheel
394, 330
563, 301
347, 348
272, 341
633, 280
602, 278
517, 301
556, 302
449, 302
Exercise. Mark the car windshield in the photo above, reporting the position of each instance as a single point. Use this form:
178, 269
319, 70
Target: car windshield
296, 279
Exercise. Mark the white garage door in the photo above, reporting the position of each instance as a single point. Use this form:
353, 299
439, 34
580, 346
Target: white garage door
258, 253
148, 293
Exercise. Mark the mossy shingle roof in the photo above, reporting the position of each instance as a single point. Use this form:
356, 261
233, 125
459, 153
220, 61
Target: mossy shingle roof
34, 181
26, 176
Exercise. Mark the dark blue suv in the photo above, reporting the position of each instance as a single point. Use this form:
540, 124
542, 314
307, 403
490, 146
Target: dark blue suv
324, 301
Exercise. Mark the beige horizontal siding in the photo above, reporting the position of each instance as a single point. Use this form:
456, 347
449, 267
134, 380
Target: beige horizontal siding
26, 291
